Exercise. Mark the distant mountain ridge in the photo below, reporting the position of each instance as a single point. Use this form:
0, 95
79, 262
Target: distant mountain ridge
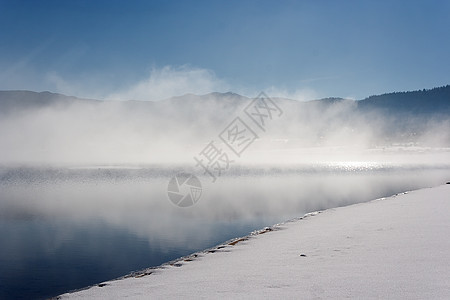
49, 127
26, 100
419, 102
402, 113
436, 100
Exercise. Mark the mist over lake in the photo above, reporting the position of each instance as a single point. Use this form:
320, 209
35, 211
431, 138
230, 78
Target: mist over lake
85, 185
66, 228
136, 133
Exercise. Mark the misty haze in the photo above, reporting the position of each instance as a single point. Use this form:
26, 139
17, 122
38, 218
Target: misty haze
102, 181
78, 171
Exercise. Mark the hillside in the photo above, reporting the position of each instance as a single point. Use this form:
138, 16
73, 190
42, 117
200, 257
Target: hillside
47, 126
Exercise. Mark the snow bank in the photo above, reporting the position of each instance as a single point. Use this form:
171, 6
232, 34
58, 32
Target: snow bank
396, 247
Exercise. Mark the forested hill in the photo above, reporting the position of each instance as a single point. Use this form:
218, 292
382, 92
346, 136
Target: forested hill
435, 101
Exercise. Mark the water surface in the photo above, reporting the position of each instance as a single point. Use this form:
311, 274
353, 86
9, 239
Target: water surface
67, 228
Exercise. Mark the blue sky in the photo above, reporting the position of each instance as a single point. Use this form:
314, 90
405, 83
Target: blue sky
154, 49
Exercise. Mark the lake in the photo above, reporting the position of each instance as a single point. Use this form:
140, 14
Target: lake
67, 228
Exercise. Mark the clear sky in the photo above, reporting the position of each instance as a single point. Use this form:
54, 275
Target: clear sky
153, 49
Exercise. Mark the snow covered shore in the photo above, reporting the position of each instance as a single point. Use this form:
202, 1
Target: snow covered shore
397, 247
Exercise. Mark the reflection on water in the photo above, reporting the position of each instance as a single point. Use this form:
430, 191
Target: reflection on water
66, 228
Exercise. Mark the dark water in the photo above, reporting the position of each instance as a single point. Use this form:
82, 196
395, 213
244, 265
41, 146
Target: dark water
63, 229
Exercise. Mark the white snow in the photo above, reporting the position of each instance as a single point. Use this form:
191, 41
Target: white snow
395, 248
